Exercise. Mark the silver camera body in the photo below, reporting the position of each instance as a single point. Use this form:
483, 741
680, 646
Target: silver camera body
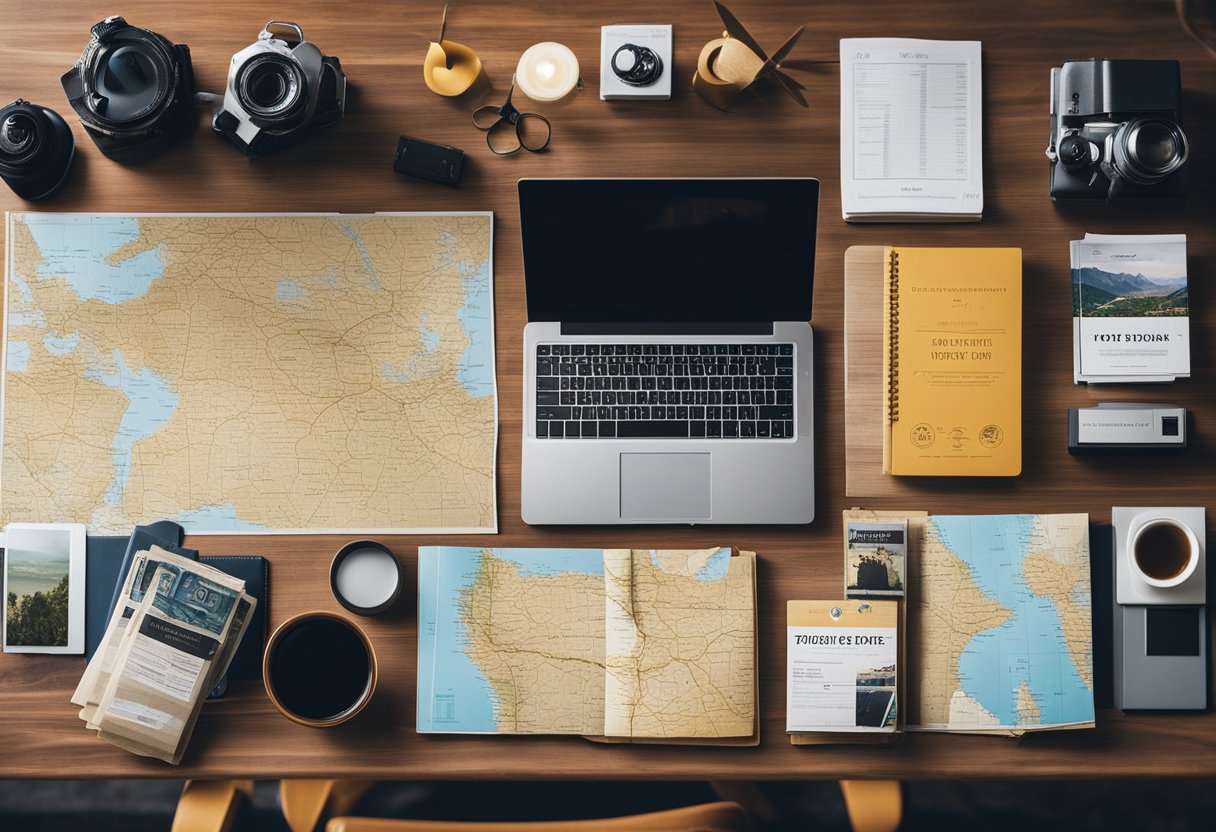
1116, 131
277, 90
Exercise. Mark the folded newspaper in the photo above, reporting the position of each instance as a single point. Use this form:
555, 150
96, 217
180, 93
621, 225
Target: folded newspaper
168, 642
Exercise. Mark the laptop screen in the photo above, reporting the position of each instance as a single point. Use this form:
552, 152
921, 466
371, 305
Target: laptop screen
668, 250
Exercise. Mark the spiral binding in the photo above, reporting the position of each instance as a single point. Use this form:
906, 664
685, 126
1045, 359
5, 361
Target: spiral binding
893, 345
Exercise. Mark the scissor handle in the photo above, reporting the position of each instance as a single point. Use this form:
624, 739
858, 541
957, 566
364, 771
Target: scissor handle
530, 124
486, 116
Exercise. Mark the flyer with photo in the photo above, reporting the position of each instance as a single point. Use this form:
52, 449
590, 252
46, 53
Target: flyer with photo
875, 556
841, 666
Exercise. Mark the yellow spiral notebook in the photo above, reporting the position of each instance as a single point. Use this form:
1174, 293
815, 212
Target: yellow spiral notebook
952, 360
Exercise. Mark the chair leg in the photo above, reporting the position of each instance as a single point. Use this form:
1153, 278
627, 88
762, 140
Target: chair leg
305, 803
873, 805
210, 805
748, 795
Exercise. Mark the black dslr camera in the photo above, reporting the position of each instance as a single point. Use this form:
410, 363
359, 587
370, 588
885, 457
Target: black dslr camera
1116, 131
131, 88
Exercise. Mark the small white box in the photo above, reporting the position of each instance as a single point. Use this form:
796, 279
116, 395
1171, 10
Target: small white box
657, 38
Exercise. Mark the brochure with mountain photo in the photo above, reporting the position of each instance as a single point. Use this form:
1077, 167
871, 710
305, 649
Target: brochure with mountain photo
1130, 308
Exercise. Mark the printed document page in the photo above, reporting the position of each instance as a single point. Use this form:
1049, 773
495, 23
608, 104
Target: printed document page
910, 129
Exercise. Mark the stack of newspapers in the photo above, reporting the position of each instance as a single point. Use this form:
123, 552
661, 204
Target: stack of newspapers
169, 641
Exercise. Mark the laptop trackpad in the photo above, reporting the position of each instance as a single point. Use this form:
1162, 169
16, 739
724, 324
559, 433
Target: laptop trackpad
665, 487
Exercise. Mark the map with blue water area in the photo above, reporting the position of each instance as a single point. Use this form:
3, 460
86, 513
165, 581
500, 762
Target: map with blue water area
1001, 631
586, 641
238, 373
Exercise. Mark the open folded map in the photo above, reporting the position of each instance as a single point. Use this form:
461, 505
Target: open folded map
999, 624
619, 643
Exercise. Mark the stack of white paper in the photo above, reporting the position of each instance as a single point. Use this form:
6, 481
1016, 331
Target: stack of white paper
169, 640
910, 132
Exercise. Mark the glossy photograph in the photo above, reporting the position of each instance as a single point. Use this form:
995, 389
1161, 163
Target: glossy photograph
42, 564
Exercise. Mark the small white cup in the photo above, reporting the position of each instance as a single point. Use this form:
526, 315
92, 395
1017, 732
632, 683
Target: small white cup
1192, 561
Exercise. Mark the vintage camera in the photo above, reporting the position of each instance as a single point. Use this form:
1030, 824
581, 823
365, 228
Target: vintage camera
36, 149
131, 89
1116, 131
277, 89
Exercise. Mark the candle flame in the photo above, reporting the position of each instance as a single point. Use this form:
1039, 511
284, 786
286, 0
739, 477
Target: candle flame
546, 70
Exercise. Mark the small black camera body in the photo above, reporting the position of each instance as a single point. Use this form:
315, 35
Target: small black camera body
1116, 131
36, 149
131, 88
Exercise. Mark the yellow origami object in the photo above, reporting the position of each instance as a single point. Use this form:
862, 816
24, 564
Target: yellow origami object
450, 68
729, 65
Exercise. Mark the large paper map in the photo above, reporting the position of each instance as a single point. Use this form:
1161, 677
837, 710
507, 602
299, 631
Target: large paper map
250, 373
1000, 623
618, 642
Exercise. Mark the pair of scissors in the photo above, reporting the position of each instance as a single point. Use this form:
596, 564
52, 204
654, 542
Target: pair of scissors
507, 129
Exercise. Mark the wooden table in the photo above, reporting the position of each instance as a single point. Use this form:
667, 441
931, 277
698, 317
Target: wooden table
347, 168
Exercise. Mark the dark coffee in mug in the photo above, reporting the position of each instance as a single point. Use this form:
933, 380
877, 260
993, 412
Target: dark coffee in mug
319, 669
1163, 551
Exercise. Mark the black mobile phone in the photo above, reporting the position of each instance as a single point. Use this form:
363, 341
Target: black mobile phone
427, 160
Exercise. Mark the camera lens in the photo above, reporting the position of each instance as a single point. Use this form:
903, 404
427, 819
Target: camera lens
1154, 146
270, 86
1074, 152
130, 81
36, 149
18, 136
1148, 150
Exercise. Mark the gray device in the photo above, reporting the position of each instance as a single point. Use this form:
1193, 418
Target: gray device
668, 356
1161, 657
1160, 634
1112, 428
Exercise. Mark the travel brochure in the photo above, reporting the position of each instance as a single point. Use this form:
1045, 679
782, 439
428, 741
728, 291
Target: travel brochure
1130, 308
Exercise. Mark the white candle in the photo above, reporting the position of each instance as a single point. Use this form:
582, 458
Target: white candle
367, 577
547, 72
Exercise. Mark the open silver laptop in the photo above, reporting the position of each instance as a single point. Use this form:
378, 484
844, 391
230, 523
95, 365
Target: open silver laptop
668, 355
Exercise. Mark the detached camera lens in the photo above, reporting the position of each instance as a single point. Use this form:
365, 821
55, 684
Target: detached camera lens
1148, 150
18, 135
36, 149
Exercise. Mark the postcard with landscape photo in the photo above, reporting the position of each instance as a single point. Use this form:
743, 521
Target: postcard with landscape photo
43, 610
1137, 280
875, 554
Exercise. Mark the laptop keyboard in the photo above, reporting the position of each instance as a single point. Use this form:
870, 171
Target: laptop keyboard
696, 391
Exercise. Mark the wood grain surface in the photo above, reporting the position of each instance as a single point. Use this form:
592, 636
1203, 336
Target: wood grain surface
348, 168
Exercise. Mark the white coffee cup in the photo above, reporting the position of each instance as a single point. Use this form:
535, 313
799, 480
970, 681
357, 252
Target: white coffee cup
1163, 552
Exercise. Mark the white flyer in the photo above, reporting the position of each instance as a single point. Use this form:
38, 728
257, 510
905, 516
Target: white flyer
842, 678
910, 130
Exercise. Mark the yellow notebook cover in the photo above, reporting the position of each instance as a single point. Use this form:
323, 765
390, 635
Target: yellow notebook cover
953, 362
